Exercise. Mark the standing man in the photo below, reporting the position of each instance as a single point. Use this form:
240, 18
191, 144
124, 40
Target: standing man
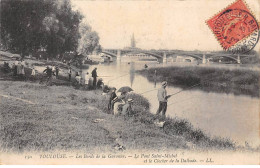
33, 73
15, 66
49, 73
69, 72
94, 75
57, 71
162, 98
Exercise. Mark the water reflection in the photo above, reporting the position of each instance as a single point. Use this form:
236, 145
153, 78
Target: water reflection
132, 73
155, 78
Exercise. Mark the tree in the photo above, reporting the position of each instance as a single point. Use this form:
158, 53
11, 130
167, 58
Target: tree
21, 23
89, 40
27, 25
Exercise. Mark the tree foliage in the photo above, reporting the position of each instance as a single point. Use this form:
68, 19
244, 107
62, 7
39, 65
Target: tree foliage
89, 40
29, 25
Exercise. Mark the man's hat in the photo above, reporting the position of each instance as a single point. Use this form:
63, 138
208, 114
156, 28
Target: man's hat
164, 83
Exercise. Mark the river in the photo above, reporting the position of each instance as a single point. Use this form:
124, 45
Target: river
217, 114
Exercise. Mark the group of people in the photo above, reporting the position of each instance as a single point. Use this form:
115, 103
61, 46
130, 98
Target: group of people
122, 105
81, 79
116, 104
88, 80
119, 104
18, 68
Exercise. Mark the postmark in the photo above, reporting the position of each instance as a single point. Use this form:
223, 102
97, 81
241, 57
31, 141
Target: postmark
245, 45
235, 28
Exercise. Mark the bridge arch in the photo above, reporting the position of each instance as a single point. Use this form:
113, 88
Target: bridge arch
227, 56
109, 53
148, 53
193, 56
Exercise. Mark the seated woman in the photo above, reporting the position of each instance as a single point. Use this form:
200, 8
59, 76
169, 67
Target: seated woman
100, 83
119, 102
106, 89
127, 108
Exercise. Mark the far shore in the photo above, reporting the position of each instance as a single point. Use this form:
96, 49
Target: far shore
209, 79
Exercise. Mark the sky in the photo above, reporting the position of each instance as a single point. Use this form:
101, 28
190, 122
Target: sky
164, 24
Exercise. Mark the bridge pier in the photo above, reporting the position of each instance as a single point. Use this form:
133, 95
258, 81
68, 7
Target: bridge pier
164, 57
118, 56
204, 60
238, 59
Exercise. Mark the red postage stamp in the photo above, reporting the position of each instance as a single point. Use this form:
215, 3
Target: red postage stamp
233, 25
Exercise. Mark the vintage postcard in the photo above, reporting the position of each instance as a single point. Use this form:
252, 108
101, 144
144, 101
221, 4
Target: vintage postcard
171, 82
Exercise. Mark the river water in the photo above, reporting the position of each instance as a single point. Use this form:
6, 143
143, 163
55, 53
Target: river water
217, 114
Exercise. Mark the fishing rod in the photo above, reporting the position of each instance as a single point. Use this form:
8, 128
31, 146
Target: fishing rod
148, 91
105, 76
176, 92
181, 101
118, 77
189, 87
184, 90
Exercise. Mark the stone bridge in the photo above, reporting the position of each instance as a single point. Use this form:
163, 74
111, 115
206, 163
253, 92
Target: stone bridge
162, 55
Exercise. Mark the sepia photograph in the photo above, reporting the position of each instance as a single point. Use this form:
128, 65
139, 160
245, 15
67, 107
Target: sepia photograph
129, 82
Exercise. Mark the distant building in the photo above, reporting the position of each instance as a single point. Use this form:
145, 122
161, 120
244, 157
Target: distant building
133, 41
132, 44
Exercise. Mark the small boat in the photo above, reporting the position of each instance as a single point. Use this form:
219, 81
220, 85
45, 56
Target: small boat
91, 62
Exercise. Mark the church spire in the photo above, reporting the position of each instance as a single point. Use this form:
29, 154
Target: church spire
133, 41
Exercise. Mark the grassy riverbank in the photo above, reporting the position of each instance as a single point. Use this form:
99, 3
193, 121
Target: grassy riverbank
37, 117
209, 79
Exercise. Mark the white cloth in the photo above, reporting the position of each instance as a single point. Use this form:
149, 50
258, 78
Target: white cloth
33, 72
23, 63
162, 94
116, 105
78, 79
86, 79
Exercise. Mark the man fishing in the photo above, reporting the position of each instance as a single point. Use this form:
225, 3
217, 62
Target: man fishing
162, 98
94, 75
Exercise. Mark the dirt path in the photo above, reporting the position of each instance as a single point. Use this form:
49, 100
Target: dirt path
17, 98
